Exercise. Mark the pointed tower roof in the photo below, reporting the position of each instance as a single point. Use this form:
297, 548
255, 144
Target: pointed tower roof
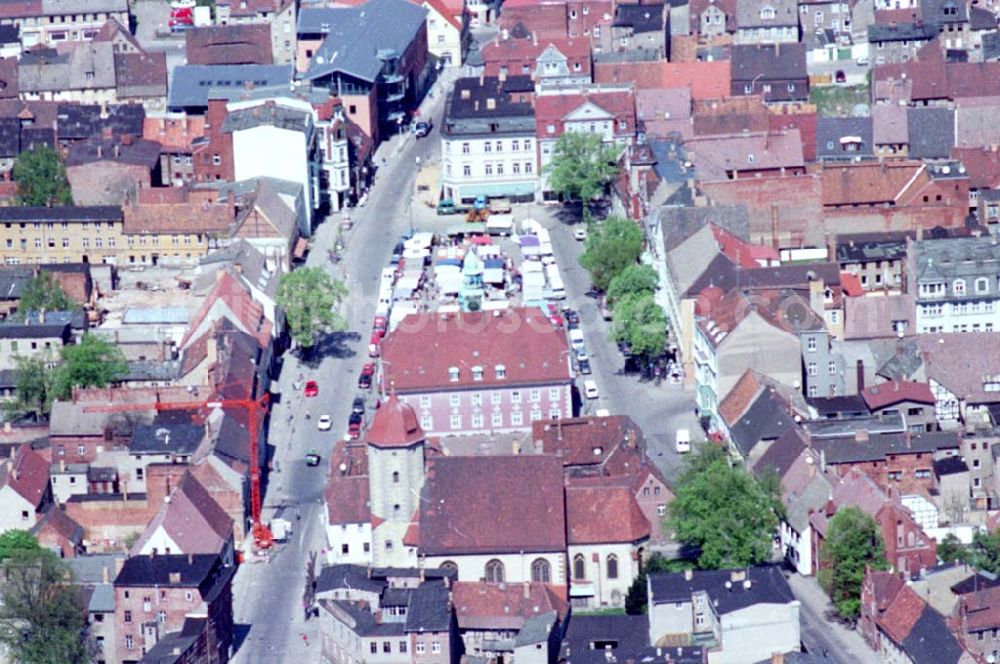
394, 425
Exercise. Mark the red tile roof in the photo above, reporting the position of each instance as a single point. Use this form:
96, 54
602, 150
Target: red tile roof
604, 515
707, 80
234, 44
742, 394
494, 607
902, 614
851, 283
177, 217
885, 587
743, 253
585, 441
420, 351
981, 610
27, 474
552, 111
982, 165
236, 300
868, 183
347, 497
896, 391
493, 505
191, 518
394, 425
174, 135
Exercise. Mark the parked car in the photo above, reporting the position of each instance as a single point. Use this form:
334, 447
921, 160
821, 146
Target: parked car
593, 293
581, 355
379, 325
683, 441
324, 423
572, 317
358, 406
590, 389
313, 458
312, 388
354, 426
422, 129
580, 234
365, 379
584, 366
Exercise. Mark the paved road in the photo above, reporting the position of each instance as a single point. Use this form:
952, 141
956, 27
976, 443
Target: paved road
821, 636
268, 596
658, 410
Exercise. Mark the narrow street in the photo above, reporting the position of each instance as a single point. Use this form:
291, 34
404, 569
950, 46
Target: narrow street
268, 596
821, 636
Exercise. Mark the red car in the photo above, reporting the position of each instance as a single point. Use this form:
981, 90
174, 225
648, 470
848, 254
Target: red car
312, 388
354, 426
365, 379
380, 324
373, 344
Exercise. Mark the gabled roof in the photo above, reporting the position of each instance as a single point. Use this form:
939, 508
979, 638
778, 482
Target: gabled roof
27, 474
707, 80
864, 183
356, 36
61, 524
767, 418
586, 441
719, 157
901, 614
963, 363
604, 515
897, 391
205, 572
191, 518
504, 607
931, 132
192, 85
492, 505
763, 584
769, 62
347, 496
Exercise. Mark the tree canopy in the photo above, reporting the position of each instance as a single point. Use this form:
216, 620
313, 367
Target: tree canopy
853, 542
722, 511
634, 279
94, 362
640, 322
582, 166
43, 292
41, 178
32, 388
309, 297
42, 618
612, 246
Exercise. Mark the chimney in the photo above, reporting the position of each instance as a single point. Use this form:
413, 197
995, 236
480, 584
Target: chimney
688, 574
118, 150
190, 559
861, 436
62, 466
477, 105
861, 375
175, 577
778, 658
41, 316
104, 574
100, 151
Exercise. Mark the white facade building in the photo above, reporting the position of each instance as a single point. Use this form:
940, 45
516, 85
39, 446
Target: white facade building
956, 284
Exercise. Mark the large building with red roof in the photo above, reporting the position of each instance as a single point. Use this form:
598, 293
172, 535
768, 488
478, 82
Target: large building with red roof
481, 372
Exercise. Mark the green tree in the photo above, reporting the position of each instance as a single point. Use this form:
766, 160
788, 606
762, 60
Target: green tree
41, 178
721, 510
636, 598
582, 167
633, 279
94, 362
309, 297
611, 247
41, 616
951, 549
984, 553
770, 481
17, 542
32, 388
43, 292
853, 542
640, 322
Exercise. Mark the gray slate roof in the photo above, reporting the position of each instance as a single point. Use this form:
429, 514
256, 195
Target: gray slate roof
878, 446
951, 258
767, 418
930, 641
355, 36
931, 132
830, 131
767, 586
276, 115
163, 438
194, 85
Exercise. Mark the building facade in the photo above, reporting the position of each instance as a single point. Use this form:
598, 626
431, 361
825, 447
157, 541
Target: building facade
955, 283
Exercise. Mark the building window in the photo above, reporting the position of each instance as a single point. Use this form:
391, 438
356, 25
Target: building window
494, 571
420, 648
982, 285
402, 647
488, 168
541, 571
497, 420
436, 647
425, 401
216, 160
501, 371
395, 477
453, 374
958, 287
811, 369
477, 420
514, 145
455, 400
373, 647
456, 421
811, 343
477, 374
515, 397
535, 395
832, 368
387, 646
128, 616
128, 642
467, 170
449, 566
516, 418
579, 567
612, 566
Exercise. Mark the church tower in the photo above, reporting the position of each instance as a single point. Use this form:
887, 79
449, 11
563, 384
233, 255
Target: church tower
395, 444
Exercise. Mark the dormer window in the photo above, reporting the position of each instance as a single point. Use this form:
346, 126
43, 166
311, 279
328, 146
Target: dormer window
767, 13
958, 287
501, 371
453, 374
477, 373
982, 285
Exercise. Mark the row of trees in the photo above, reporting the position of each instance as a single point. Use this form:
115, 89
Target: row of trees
611, 256
42, 618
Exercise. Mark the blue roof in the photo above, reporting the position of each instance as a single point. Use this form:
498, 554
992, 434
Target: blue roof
154, 315
356, 36
193, 85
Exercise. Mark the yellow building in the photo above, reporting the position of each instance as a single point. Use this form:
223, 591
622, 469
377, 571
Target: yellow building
144, 235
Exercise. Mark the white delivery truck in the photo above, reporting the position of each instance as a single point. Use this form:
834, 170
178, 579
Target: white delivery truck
683, 444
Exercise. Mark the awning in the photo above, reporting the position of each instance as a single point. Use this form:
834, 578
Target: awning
497, 190
482, 239
301, 245
467, 228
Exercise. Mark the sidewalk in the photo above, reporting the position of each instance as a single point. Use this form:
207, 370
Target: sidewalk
844, 644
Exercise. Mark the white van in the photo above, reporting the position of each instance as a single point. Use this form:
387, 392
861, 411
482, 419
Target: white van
683, 444
576, 339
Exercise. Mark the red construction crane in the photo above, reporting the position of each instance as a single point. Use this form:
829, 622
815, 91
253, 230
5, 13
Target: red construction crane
254, 407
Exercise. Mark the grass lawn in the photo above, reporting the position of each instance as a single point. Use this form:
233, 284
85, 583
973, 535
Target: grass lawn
610, 611
838, 101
